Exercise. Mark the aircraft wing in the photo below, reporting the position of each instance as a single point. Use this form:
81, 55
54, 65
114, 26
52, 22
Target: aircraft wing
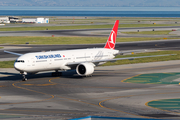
130, 58
12, 53
113, 60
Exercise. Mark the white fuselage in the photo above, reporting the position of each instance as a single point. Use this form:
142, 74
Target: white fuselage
57, 60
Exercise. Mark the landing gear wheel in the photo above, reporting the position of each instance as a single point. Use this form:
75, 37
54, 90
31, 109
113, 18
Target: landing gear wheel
59, 73
24, 79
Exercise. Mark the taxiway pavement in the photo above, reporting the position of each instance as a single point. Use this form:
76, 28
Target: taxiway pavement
89, 32
71, 96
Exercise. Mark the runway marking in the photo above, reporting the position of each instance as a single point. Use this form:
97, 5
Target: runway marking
99, 105
149, 76
71, 98
74, 86
83, 101
52, 96
38, 84
154, 78
154, 68
101, 102
170, 107
130, 78
164, 105
78, 101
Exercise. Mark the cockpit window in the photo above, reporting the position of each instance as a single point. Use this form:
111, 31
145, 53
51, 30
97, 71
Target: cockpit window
22, 61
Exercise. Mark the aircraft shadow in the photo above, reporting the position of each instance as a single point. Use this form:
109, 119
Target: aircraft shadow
5, 76
16, 76
71, 74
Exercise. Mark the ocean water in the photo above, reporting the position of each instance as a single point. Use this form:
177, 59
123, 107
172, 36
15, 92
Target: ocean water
91, 11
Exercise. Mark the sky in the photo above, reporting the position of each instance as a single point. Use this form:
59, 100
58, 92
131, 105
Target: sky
93, 3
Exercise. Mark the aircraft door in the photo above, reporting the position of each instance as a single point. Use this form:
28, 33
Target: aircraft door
49, 65
30, 63
33, 62
88, 56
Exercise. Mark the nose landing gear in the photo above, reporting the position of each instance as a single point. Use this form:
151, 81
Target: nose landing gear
24, 76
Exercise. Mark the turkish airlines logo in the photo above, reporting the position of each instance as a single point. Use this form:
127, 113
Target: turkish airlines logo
112, 39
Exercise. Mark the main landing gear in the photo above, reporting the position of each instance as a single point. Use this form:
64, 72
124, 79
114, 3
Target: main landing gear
56, 73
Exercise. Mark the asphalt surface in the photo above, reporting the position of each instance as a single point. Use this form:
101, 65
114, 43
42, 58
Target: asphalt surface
148, 45
71, 96
88, 32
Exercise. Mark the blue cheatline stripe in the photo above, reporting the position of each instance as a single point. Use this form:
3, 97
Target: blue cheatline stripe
81, 118
115, 118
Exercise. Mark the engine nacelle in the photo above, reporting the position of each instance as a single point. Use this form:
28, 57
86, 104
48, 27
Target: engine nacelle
85, 69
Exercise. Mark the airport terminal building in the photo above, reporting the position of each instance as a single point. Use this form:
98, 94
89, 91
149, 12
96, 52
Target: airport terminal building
24, 20
9, 20
35, 20
4, 20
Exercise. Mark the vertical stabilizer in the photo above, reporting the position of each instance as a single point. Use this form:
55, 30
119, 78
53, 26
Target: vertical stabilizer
110, 44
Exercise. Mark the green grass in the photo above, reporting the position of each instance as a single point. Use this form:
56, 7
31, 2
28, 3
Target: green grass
165, 32
82, 27
146, 25
56, 27
124, 21
66, 40
144, 60
1, 47
9, 64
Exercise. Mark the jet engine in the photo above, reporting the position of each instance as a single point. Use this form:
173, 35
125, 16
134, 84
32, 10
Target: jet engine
85, 69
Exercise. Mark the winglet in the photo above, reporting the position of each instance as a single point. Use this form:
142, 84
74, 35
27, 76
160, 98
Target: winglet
110, 44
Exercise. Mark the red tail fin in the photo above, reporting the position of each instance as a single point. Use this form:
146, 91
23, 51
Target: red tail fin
110, 44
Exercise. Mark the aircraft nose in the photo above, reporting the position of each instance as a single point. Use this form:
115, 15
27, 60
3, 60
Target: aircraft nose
18, 66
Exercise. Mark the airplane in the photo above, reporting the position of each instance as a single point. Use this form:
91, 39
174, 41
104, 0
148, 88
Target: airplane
82, 60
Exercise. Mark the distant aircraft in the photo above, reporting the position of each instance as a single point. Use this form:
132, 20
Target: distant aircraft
82, 60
